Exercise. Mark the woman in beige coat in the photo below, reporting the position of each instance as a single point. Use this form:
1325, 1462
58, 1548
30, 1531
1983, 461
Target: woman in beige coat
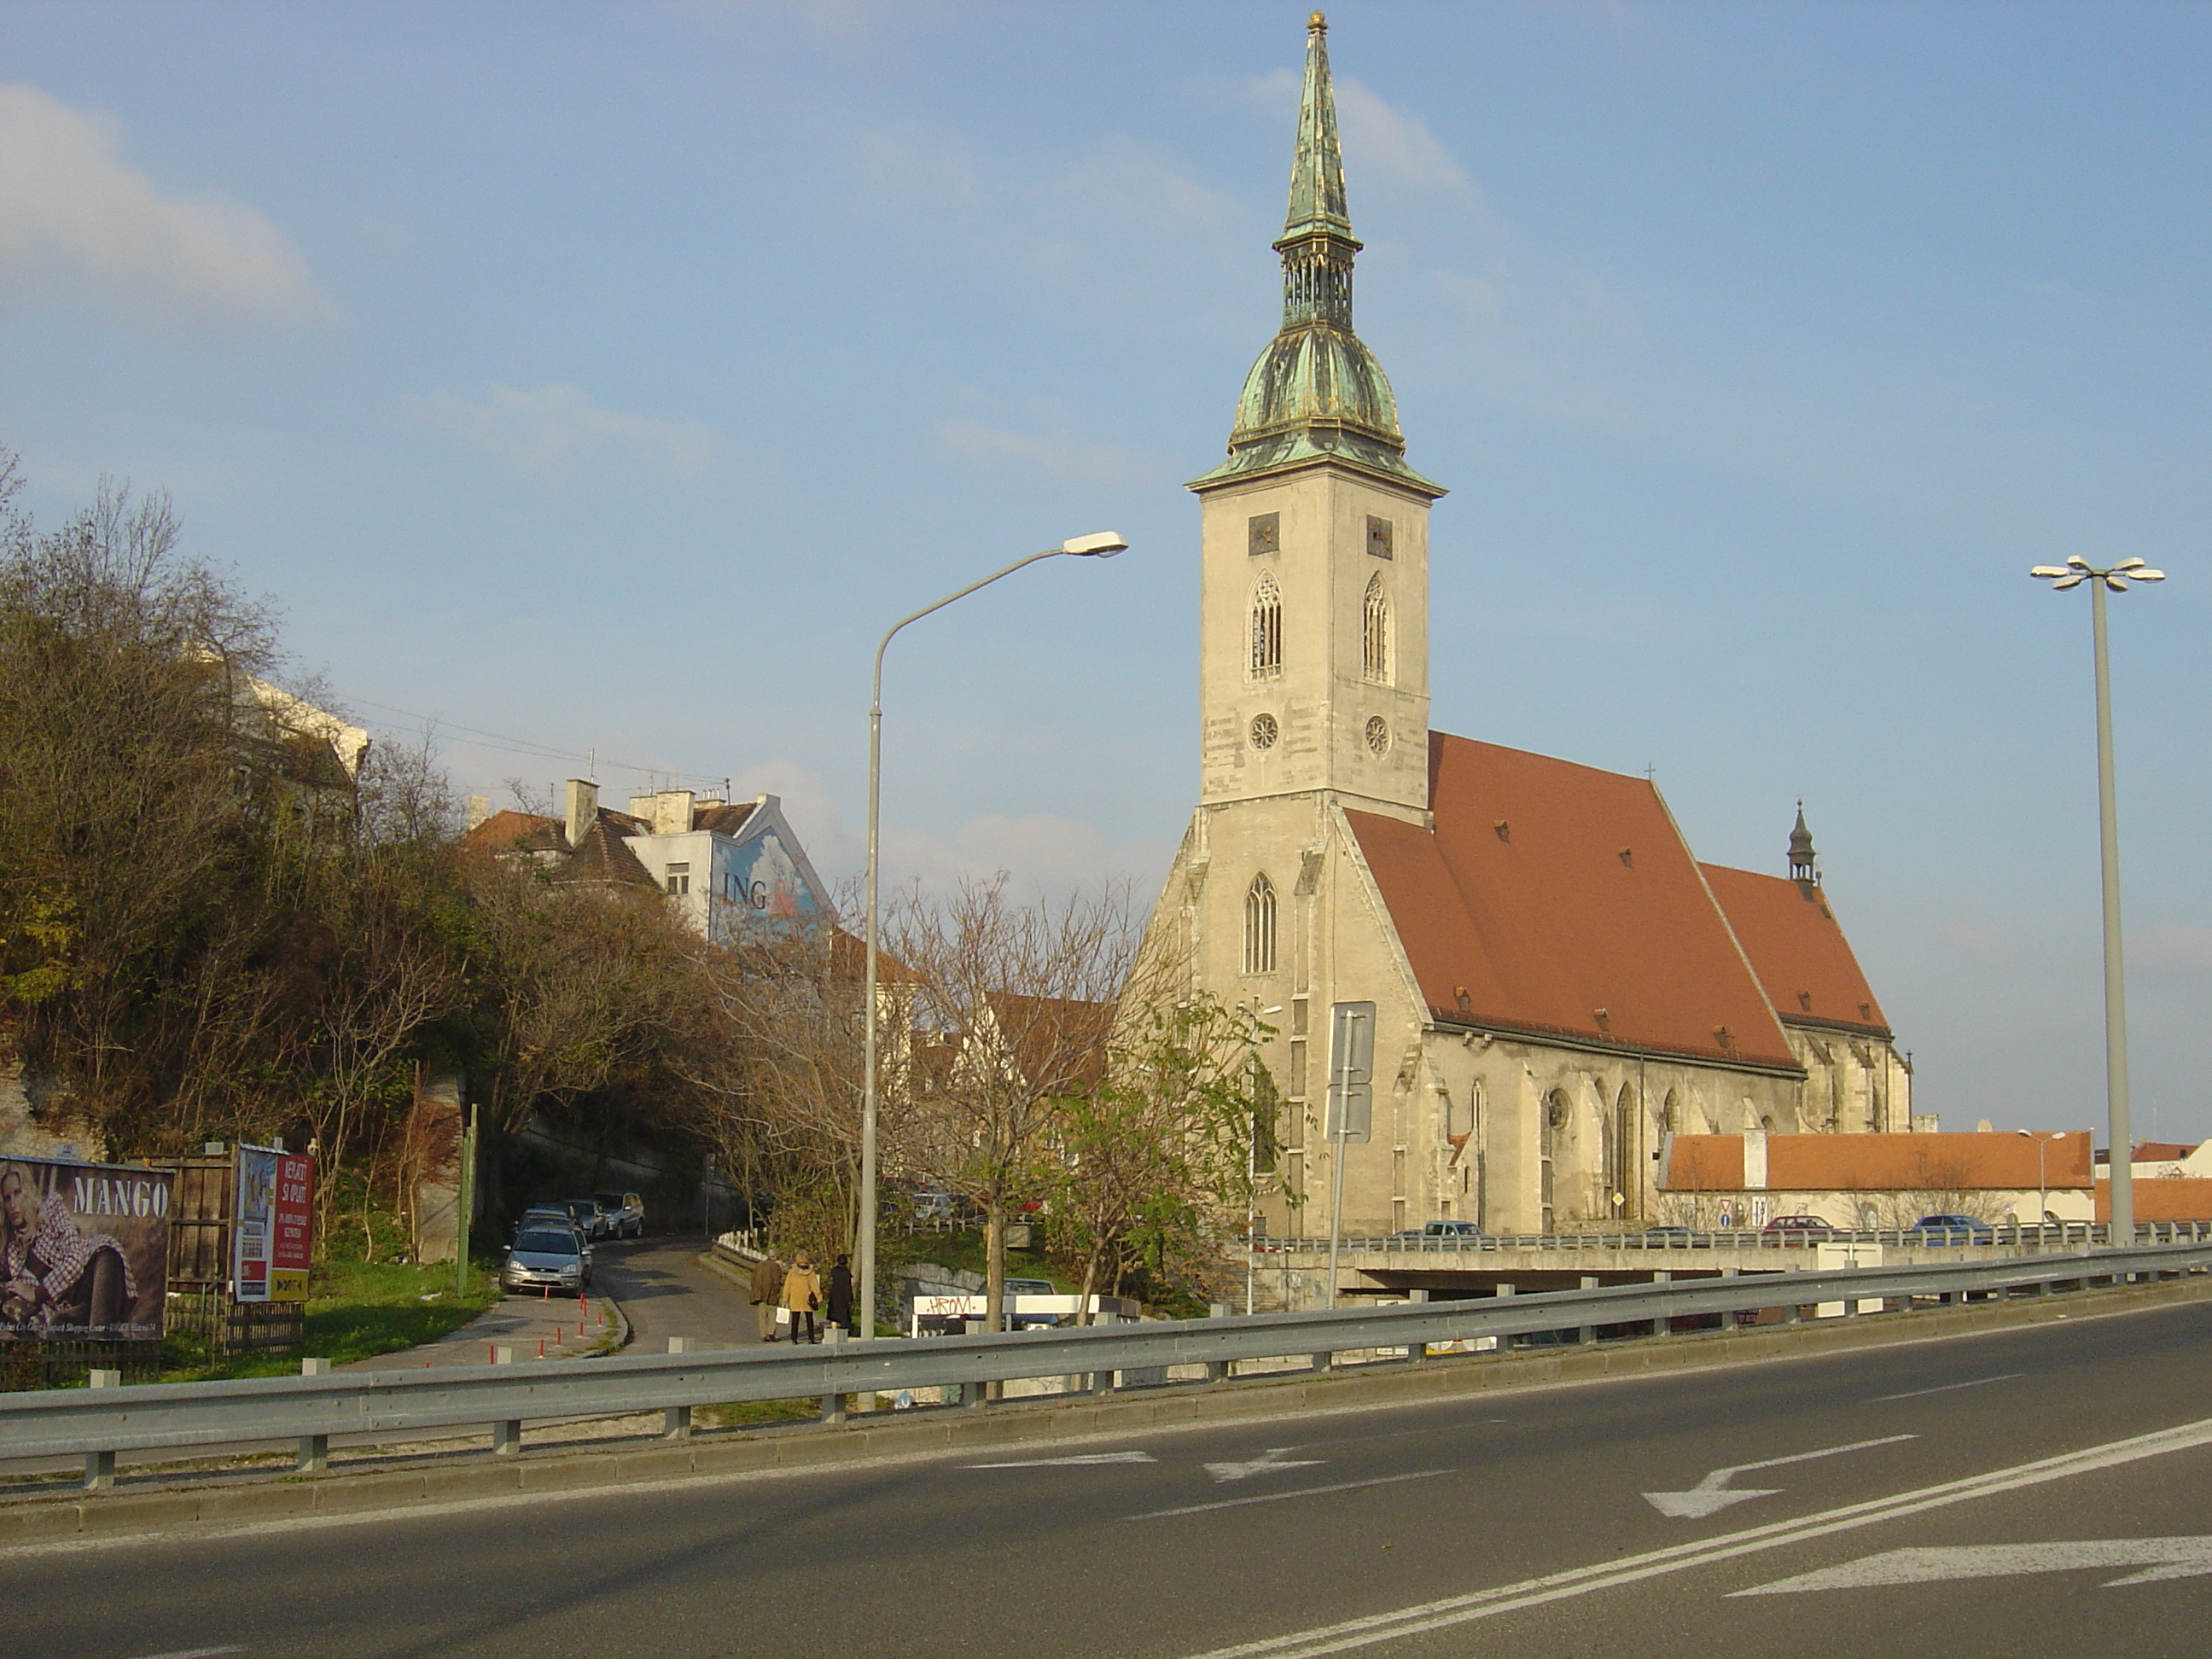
802, 1295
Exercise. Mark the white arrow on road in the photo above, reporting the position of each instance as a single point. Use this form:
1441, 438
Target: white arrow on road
1269, 1460
1713, 1493
1070, 1462
2159, 1557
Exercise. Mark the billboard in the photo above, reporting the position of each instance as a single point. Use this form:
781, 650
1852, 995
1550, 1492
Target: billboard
84, 1250
272, 1233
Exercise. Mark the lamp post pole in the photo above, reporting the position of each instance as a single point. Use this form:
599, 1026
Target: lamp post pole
2043, 1187
2119, 1130
1103, 545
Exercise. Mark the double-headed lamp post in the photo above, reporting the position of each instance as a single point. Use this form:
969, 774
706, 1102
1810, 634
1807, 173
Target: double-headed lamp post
2043, 1187
2119, 1132
1103, 545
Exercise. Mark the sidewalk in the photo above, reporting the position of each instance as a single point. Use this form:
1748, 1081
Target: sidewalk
566, 1327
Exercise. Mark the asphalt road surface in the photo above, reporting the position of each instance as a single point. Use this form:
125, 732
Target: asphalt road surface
665, 1292
2033, 1493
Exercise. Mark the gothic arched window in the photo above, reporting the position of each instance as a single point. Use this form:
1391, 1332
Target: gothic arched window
1266, 629
1260, 926
1375, 633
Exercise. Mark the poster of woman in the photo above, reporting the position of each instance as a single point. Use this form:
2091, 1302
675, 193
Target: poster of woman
83, 1250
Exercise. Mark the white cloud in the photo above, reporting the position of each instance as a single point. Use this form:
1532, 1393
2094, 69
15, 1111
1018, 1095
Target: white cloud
1058, 455
74, 219
552, 431
2173, 952
1380, 140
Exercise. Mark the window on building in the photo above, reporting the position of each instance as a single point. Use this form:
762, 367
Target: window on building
1379, 539
1374, 632
1260, 926
679, 879
1266, 629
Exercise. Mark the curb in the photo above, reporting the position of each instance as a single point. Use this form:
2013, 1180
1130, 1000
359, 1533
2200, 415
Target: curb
935, 1434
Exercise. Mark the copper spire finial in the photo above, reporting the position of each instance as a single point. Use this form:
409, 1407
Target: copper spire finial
1318, 23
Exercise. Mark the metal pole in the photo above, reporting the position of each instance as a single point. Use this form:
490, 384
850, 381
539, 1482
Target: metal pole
467, 1206
2119, 1132
865, 1244
1343, 1102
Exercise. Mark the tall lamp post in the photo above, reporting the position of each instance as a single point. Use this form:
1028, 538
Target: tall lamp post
2119, 1132
1103, 545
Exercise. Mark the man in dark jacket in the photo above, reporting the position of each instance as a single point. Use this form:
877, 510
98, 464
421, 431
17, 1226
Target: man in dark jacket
838, 1297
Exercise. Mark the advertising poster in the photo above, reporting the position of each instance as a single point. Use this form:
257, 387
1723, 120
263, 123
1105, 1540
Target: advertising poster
292, 1238
84, 1250
253, 1223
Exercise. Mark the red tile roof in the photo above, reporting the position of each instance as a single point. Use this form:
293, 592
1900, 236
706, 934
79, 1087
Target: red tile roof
724, 820
1559, 900
505, 830
1797, 948
1879, 1163
2169, 1198
2162, 1151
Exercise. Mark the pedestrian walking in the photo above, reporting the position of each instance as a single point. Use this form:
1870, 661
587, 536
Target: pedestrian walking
802, 1295
767, 1293
837, 1301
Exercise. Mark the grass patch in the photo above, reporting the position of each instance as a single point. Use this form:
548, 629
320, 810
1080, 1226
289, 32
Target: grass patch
758, 1411
357, 1311
965, 1249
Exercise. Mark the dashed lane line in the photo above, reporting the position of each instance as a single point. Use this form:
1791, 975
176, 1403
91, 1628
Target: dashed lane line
1278, 1497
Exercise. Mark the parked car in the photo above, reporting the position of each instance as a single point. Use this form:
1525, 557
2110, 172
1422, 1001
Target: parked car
588, 1215
549, 1215
1442, 1230
628, 1212
1952, 1230
1798, 1227
545, 1256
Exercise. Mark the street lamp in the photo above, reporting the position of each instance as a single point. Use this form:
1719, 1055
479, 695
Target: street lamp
2118, 1130
1102, 545
2042, 1187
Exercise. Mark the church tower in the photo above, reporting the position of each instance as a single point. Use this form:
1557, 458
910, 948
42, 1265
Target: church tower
1314, 631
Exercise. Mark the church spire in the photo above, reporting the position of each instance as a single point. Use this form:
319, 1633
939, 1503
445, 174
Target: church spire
1317, 392
1317, 171
1802, 868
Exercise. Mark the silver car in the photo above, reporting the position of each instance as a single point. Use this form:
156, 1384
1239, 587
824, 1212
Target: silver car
547, 1258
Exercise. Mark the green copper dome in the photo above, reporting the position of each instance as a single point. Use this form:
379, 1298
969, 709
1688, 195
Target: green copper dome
1317, 392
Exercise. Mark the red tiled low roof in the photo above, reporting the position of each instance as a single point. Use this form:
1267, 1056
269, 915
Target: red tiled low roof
1796, 947
2162, 1151
508, 828
724, 820
1548, 892
1880, 1163
2170, 1198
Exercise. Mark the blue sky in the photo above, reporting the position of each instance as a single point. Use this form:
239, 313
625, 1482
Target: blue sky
605, 378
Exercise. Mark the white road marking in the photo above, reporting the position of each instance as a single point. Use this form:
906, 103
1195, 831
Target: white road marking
193, 1653
1713, 1493
1277, 1496
1069, 1462
1915, 1394
1269, 1460
2159, 1557
1682, 1557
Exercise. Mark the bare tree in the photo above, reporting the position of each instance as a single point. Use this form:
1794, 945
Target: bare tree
1011, 1012
1151, 1167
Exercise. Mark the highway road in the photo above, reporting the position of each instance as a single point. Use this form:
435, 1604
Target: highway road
2036, 1492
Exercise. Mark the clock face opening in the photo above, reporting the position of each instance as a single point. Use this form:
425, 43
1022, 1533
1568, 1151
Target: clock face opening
1378, 734
1264, 731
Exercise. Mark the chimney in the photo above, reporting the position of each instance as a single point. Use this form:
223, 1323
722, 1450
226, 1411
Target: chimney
479, 809
583, 809
671, 812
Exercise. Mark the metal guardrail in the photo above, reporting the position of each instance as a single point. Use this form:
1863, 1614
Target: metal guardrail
99, 1422
2056, 1235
